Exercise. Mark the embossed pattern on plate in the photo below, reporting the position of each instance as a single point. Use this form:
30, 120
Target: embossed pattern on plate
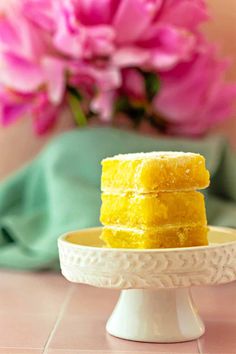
145, 269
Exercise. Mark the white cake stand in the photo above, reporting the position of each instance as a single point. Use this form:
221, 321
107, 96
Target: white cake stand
155, 304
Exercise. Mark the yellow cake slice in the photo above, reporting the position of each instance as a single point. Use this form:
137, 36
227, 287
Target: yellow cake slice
153, 172
163, 237
134, 210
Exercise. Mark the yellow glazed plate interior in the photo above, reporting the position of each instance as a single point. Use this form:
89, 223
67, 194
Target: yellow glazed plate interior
91, 238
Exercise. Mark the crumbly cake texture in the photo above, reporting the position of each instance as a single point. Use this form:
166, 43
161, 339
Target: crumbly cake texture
148, 210
154, 172
149, 200
163, 237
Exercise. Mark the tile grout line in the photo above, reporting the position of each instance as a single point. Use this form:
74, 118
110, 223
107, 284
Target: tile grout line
199, 346
59, 317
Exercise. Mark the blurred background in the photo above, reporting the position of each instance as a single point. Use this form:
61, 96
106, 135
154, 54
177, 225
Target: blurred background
18, 144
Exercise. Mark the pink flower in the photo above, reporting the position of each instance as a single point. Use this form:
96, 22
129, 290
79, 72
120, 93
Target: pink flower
133, 84
28, 61
103, 104
45, 113
101, 50
185, 13
39, 12
20, 74
87, 30
9, 6
32, 77
13, 105
194, 96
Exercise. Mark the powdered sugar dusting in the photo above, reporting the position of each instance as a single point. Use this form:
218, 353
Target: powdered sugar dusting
152, 155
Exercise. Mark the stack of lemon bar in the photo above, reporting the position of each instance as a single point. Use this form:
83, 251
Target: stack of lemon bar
149, 200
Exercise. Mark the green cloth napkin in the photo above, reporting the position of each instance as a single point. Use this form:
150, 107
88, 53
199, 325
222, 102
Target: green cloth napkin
60, 190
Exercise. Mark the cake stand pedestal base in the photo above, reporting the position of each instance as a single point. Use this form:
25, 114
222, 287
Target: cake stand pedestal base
161, 316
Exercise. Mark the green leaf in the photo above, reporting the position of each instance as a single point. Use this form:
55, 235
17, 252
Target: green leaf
75, 106
152, 83
75, 92
122, 104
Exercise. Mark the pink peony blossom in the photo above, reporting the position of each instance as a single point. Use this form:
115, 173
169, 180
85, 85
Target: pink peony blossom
32, 78
185, 13
160, 45
14, 105
194, 95
25, 56
45, 113
103, 50
133, 84
103, 104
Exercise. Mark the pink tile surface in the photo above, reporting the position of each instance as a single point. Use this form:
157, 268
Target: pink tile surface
83, 326
64, 351
27, 293
83, 298
216, 302
220, 338
25, 331
217, 307
20, 351
43, 313
89, 334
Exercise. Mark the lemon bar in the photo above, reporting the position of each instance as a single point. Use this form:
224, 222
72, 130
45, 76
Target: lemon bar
163, 237
150, 210
153, 172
